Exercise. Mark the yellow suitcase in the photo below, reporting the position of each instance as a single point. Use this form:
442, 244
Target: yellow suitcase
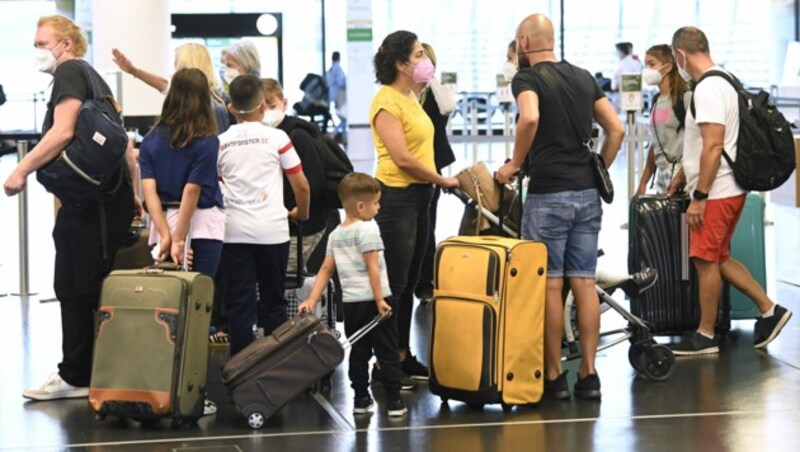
487, 334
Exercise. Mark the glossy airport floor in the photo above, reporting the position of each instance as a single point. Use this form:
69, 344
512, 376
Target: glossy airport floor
739, 400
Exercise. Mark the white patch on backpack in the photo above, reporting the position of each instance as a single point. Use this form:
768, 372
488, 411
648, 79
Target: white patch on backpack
99, 138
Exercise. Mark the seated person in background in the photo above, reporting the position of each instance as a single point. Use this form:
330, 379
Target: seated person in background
356, 248
252, 161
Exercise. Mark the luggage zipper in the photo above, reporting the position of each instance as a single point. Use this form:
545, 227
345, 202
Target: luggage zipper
78, 170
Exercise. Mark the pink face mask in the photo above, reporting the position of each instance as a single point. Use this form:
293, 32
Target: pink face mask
423, 71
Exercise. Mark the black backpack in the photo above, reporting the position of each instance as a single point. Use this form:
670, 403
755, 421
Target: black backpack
765, 153
315, 92
335, 165
91, 168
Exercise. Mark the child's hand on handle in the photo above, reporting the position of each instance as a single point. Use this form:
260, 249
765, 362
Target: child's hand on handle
306, 305
384, 310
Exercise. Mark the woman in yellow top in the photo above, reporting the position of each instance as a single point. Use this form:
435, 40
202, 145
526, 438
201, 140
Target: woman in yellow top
403, 135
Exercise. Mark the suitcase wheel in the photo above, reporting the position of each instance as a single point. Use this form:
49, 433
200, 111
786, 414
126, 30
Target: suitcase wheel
444, 400
656, 362
633, 356
507, 408
255, 419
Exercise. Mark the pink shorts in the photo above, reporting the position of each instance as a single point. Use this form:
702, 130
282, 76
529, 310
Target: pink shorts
712, 241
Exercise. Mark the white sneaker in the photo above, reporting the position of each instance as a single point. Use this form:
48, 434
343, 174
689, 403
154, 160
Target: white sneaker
209, 408
55, 388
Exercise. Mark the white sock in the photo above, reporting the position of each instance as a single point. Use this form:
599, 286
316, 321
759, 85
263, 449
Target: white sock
769, 312
706, 335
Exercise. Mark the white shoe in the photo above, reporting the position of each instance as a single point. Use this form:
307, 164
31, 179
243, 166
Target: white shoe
55, 388
209, 408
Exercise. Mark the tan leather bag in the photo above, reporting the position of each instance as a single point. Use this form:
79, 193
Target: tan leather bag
477, 182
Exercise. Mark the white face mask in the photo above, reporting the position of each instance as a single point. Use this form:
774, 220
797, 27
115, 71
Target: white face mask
652, 76
274, 118
44, 60
509, 70
685, 75
230, 74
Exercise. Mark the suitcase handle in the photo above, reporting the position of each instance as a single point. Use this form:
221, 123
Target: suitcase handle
358, 335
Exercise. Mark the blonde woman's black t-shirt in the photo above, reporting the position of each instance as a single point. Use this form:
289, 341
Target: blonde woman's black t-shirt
558, 161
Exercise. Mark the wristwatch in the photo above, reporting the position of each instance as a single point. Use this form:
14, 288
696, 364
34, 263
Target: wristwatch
699, 195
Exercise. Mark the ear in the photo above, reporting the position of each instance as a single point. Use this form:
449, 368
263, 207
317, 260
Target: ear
285, 104
231, 109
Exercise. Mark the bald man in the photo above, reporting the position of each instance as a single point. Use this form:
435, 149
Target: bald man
557, 102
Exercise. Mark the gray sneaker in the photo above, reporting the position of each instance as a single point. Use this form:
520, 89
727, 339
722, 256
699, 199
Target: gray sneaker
767, 329
55, 388
695, 344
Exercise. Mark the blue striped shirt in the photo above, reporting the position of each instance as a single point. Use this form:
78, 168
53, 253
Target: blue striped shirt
347, 245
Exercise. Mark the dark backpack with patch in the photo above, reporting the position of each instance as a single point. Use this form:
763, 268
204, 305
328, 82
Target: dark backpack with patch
765, 153
335, 166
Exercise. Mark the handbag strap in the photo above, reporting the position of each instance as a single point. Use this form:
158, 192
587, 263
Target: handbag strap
479, 195
542, 70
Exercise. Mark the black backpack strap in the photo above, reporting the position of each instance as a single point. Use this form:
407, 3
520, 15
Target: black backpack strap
737, 85
679, 108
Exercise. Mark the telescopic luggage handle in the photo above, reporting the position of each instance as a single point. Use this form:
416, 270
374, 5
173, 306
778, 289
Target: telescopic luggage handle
358, 335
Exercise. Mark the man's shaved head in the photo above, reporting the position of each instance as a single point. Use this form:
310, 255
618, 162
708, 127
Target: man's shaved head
537, 29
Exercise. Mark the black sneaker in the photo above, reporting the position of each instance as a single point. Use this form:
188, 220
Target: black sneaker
415, 369
767, 329
588, 387
695, 344
396, 407
406, 383
425, 296
363, 405
556, 389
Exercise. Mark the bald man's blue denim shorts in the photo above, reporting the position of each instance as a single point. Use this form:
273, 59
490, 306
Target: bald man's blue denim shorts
568, 223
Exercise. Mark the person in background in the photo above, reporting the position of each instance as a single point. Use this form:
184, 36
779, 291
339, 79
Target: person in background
556, 100
603, 82
82, 259
438, 102
628, 64
717, 200
252, 160
406, 169
510, 67
337, 94
240, 58
305, 137
190, 55
666, 149
355, 246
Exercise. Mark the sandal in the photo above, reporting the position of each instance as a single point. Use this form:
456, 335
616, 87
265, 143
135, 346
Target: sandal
209, 408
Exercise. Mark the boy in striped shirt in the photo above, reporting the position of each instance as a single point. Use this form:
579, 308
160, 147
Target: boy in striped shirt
355, 249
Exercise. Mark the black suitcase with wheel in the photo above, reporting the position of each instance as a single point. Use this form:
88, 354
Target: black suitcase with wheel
271, 372
659, 238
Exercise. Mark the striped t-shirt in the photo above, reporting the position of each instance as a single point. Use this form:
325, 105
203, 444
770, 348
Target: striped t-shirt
347, 245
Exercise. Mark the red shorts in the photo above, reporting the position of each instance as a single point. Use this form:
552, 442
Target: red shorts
712, 241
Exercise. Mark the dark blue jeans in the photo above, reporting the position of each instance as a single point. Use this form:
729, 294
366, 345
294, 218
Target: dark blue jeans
207, 254
244, 265
403, 221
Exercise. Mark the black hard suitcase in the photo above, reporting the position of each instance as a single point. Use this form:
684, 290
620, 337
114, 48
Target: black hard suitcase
659, 238
271, 372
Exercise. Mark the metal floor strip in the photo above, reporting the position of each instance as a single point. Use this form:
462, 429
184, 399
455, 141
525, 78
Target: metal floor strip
333, 412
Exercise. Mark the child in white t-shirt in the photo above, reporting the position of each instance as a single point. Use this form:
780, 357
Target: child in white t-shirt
355, 248
252, 160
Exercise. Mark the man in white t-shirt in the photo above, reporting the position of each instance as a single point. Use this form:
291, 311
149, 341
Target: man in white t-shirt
628, 64
252, 160
717, 201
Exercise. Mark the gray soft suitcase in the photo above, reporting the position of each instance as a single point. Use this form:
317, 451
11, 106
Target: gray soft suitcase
271, 372
151, 347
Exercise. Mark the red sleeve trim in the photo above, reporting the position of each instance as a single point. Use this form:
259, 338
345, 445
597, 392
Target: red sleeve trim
285, 148
294, 170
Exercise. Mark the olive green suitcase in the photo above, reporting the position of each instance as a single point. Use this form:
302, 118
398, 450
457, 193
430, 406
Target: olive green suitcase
151, 347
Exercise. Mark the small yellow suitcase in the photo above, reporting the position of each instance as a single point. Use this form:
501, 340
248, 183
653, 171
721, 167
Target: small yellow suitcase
487, 334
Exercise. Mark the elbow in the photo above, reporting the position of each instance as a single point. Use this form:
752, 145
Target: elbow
528, 121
